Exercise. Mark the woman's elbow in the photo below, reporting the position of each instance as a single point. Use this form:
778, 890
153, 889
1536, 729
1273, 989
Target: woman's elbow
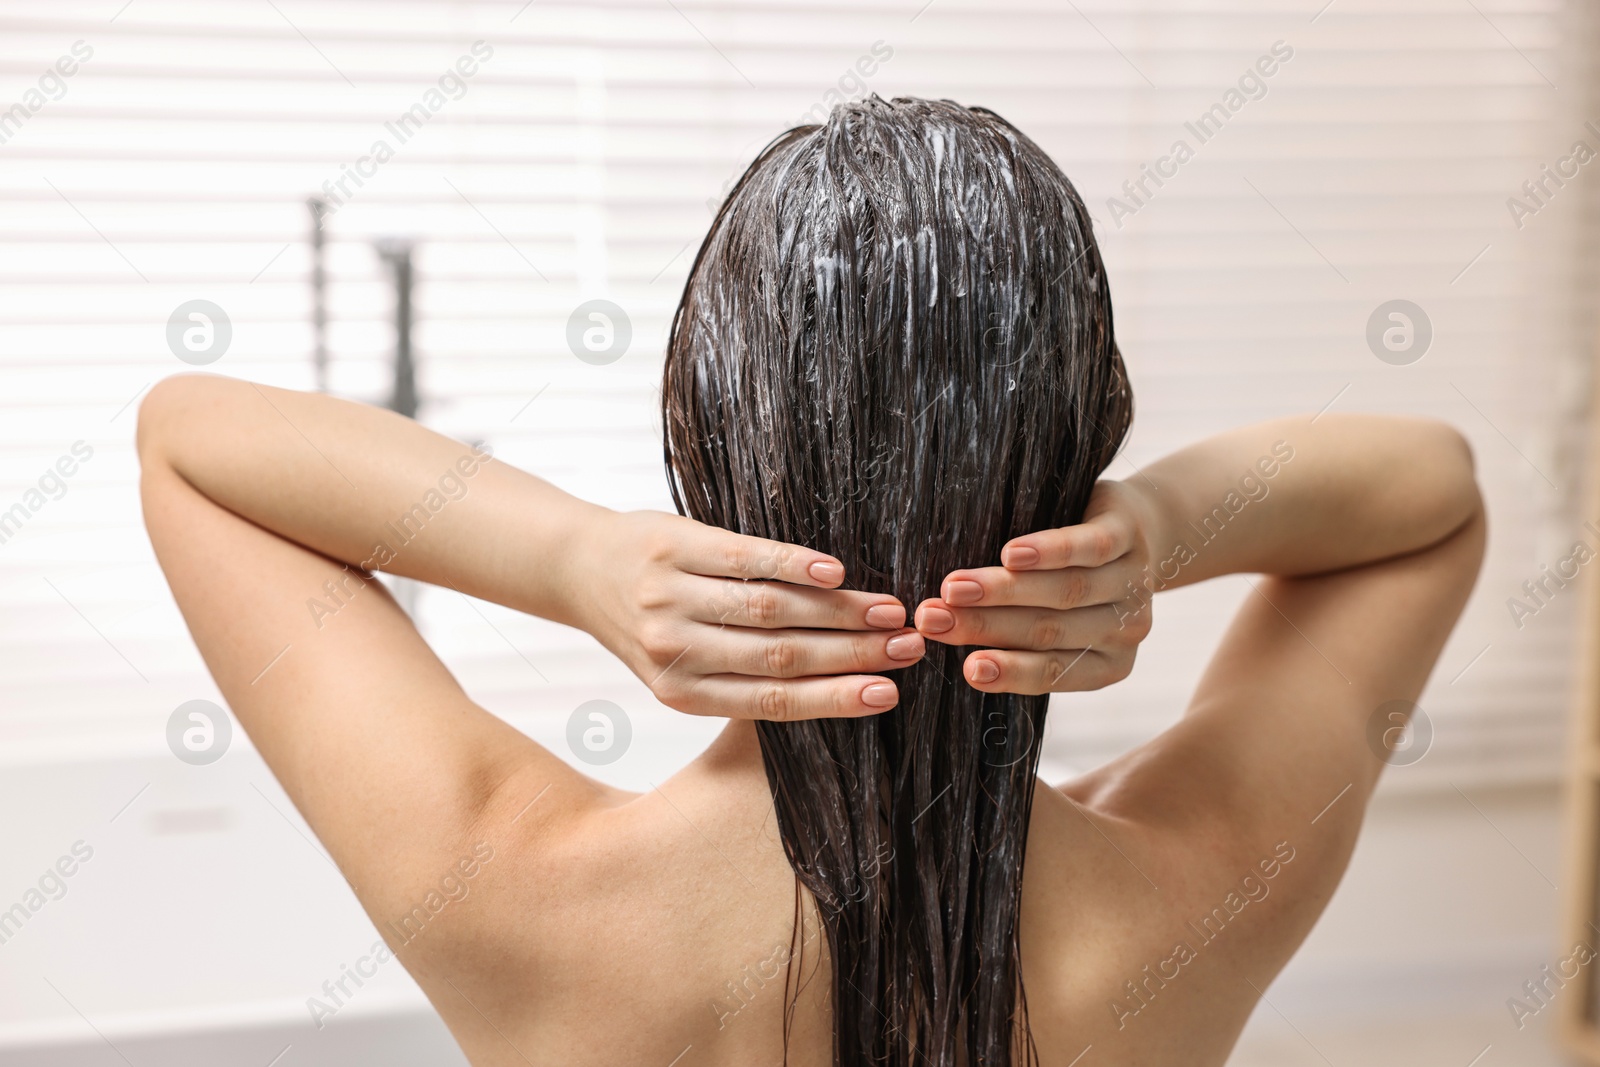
1445, 461
162, 409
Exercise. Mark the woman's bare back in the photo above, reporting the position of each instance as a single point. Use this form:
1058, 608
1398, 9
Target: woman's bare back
1161, 893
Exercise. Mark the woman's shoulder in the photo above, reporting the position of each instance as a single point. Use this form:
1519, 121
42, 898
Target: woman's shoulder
675, 904
1138, 938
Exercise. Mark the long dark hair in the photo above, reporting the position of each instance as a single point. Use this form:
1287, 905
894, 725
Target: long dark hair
896, 347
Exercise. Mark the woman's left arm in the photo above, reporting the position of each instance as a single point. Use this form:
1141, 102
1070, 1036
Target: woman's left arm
268, 509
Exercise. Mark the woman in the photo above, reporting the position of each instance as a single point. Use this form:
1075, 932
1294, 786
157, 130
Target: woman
893, 370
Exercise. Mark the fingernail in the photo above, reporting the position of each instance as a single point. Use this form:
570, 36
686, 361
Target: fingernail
880, 695
983, 671
906, 646
888, 616
936, 621
1019, 556
961, 592
827, 571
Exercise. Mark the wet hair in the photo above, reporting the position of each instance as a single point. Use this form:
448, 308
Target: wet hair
895, 346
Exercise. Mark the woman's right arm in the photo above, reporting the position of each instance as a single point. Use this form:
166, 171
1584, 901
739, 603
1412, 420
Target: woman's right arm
1068, 607
1370, 532
1230, 831
1292, 497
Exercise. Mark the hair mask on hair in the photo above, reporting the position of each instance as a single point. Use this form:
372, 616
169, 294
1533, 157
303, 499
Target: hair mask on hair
896, 347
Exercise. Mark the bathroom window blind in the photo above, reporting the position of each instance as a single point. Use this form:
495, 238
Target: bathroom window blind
581, 159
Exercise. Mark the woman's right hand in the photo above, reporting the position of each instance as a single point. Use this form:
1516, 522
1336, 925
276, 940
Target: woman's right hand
1065, 611
717, 623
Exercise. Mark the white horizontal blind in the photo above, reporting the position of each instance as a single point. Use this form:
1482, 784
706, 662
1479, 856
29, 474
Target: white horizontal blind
581, 160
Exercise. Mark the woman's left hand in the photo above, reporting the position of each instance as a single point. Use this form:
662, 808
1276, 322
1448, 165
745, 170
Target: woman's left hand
1065, 611
717, 623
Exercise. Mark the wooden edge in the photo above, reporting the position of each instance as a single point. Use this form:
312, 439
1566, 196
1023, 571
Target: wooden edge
1578, 1027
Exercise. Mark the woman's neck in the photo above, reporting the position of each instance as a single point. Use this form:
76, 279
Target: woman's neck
736, 744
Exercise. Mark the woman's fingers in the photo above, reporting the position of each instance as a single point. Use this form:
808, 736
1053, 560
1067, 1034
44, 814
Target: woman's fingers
746, 627
1033, 673
1030, 629
735, 696
777, 605
794, 653
1090, 544
779, 640
722, 554
1068, 587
